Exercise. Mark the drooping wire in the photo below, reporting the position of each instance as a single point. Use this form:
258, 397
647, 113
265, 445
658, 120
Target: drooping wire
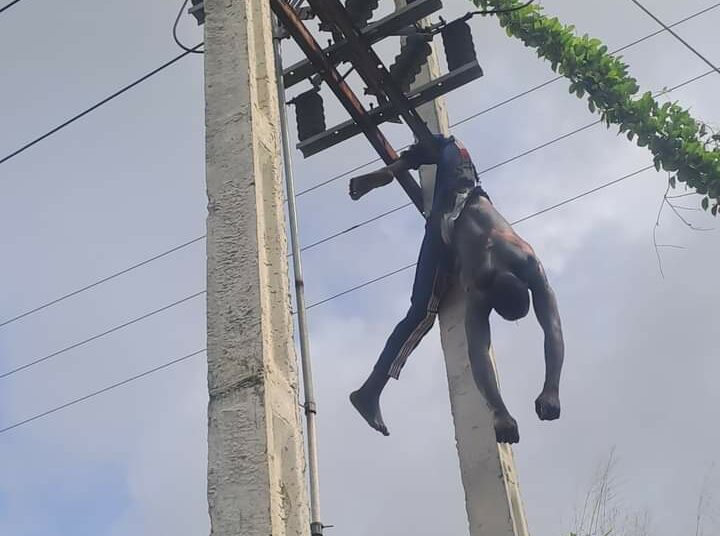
97, 105
676, 36
100, 335
316, 304
357, 168
101, 281
345, 231
175, 33
8, 6
101, 391
523, 219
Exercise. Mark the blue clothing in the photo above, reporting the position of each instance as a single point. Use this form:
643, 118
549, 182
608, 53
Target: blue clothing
455, 182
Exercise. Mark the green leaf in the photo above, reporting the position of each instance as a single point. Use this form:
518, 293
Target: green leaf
705, 203
678, 142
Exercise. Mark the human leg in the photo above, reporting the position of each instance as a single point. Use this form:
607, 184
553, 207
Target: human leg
429, 284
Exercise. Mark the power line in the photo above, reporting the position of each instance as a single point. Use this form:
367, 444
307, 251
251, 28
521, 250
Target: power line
558, 78
516, 96
97, 105
356, 226
357, 168
345, 231
175, 33
496, 166
523, 219
8, 6
321, 302
101, 391
194, 49
100, 335
101, 281
676, 36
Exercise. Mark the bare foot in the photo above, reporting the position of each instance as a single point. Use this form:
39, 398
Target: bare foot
369, 407
506, 429
547, 406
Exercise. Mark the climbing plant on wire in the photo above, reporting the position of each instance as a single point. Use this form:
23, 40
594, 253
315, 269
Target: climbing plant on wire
680, 144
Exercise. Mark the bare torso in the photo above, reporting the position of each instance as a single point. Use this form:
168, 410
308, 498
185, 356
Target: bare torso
484, 242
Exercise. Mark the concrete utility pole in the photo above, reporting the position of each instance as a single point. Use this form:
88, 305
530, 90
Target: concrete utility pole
492, 492
256, 480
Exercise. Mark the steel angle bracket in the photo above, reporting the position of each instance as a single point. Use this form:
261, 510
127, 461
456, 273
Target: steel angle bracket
374, 32
372, 70
420, 95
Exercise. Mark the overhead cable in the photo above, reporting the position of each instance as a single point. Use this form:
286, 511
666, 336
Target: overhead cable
99, 335
8, 6
97, 105
677, 36
516, 96
523, 219
316, 304
175, 33
349, 229
194, 49
101, 281
357, 168
100, 391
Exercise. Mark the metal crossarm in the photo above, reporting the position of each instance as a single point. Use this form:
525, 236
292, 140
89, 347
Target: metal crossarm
373, 32
372, 69
294, 26
421, 95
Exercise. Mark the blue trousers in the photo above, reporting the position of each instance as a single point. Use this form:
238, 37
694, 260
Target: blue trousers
431, 280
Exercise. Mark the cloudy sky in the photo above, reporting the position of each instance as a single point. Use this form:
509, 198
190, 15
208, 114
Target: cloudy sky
127, 182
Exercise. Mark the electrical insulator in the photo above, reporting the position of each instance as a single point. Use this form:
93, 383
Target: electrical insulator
458, 43
361, 11
309, 114
198, 11
414, 53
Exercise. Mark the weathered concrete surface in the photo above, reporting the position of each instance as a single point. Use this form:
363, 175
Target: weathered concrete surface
492, 493
256, 481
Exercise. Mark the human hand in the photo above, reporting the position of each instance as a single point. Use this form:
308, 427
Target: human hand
547, 405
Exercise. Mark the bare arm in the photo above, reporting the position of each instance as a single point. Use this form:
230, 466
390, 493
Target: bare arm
477, 329
546, 311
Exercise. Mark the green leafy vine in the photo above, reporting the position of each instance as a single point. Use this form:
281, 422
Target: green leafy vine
681, 145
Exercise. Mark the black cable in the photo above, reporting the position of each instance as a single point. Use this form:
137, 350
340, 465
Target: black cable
335, 296
677, 36
517, 96
357, 168
175, 35
99, 335
361, 285
101, 391
356, 226
100, 281
351, 228
8, 6
96, 106
533, 215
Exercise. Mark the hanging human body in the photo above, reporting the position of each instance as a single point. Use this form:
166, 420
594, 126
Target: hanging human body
466, 237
